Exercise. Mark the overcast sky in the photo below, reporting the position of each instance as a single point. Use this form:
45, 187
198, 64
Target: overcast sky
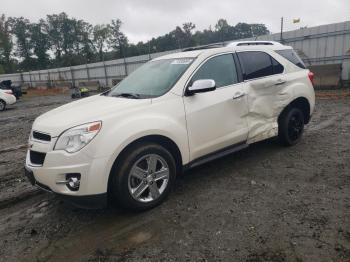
144, 19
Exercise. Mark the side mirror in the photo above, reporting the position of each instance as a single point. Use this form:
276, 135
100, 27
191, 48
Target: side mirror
201, 86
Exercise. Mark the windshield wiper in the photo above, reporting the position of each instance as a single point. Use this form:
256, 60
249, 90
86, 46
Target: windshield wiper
127, 95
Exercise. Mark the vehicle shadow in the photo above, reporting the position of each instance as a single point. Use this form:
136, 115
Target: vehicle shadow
249, 154
10, 108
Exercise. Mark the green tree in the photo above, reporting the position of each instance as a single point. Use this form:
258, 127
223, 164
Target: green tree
259, 29
187, 29
179, 36
243, 30
102, 34
54, 31
6, 45
40, 43
60, 40
2, 70
118, 41
71, 40
20, 27
222, 27
70, 34
84, 40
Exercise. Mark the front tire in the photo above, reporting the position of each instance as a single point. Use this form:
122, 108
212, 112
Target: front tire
291, 126
2, 105
143, 177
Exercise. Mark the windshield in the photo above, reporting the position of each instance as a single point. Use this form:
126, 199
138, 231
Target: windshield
152, 79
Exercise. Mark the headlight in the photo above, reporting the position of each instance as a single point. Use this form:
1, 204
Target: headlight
74, 139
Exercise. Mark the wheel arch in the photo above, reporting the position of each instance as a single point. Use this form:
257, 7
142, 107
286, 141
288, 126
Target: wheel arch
303, 104
162, 140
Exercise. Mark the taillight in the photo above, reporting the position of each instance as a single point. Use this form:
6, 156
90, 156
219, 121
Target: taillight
311, 77
8, 92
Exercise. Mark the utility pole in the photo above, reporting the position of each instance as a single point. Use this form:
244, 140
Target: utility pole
30, 79
49, 78
72, 76
105, 69
123, 53
149, 50
281, 36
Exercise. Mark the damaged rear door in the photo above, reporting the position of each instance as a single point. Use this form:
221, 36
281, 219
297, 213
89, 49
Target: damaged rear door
267, 95
217, 119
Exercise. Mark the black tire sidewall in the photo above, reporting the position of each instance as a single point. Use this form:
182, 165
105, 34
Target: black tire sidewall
284, 124
119, 190
4, 103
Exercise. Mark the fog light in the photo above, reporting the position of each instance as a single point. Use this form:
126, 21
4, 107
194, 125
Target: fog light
73, 181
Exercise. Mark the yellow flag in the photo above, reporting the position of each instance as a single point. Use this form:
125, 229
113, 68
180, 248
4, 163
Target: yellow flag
296, 20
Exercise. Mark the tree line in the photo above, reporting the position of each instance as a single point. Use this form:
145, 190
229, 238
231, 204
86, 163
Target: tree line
60, 40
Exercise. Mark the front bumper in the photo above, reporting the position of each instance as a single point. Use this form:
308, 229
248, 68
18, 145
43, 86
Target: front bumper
86, 201
56, 165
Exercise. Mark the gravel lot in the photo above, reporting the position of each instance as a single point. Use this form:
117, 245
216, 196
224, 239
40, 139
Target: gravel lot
266, 203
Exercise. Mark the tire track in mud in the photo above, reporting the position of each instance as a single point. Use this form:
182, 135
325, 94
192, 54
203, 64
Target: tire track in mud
45, 105
14, 186
14, 148
328, 122
23, 195
12, 174
11, 177
30, 116
12, 119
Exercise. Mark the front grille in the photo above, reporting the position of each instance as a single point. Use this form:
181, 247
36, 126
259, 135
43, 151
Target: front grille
41, 136
37, 158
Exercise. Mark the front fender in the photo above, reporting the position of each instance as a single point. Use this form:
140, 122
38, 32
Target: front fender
123, 134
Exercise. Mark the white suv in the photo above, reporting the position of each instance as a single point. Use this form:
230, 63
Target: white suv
173, 113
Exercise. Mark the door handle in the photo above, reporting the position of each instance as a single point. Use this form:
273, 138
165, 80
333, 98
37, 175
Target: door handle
280, 82
238, 95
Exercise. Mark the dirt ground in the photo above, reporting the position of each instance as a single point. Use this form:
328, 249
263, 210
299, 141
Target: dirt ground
266, 203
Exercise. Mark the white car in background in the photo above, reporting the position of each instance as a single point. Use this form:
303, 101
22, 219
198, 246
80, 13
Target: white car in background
173, 113
6, 98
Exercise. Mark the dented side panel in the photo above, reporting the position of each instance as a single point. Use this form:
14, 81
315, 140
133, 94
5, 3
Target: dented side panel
267, 98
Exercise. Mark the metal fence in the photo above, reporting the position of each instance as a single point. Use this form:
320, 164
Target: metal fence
326, 44
106, 73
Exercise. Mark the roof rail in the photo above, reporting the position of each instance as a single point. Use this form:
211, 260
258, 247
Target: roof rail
247, 43
202, 47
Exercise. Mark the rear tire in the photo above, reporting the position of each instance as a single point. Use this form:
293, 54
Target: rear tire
2, 105
291, 126
143, 177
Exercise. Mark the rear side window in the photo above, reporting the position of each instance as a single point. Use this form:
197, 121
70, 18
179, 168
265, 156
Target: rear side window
257, 64
292, 56
220, 68
277, 67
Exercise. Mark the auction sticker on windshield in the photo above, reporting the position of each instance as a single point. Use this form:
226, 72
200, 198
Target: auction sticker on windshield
184, 61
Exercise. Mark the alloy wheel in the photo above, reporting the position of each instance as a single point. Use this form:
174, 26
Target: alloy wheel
148, 178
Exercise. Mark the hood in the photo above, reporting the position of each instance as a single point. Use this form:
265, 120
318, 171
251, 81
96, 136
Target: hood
84, 111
